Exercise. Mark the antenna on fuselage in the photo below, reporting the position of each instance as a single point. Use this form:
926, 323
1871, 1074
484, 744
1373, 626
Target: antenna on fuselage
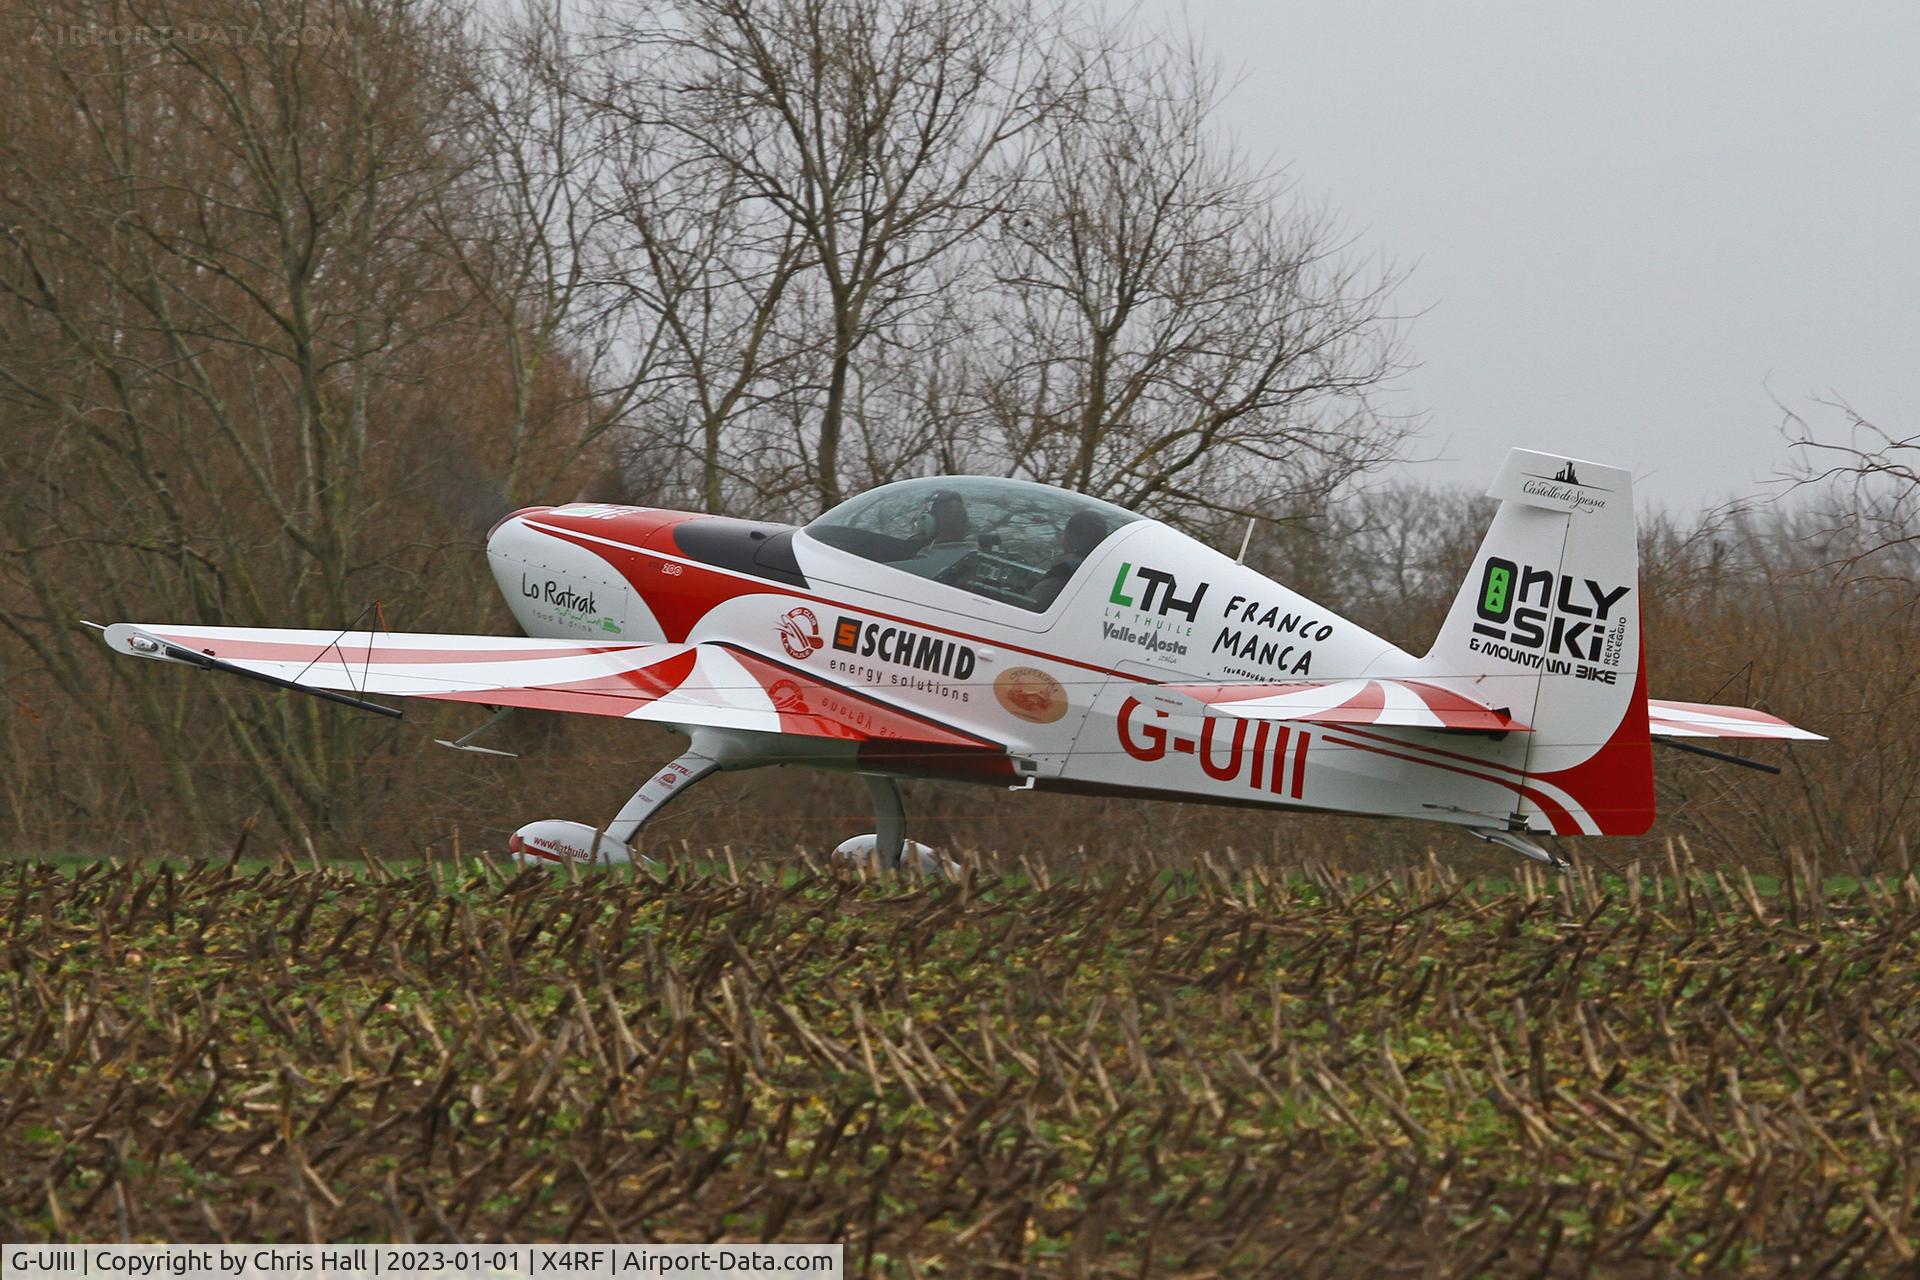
1245, 540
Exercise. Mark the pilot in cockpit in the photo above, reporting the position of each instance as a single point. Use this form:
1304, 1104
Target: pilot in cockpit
948, 536
1084, 531
948, 511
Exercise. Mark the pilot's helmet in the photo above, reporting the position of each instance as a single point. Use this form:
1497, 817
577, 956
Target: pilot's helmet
947, 516
1085, 530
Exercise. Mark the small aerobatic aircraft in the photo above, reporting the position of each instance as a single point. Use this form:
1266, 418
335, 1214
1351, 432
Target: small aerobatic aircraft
996, 631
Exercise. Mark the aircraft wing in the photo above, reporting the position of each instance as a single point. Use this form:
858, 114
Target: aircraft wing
1705, 720
684, 684
1401, 703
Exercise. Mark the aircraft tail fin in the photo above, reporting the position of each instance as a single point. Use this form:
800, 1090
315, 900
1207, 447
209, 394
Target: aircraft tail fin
1547, 628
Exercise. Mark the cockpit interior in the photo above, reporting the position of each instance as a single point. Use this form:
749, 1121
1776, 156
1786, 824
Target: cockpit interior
1005, 540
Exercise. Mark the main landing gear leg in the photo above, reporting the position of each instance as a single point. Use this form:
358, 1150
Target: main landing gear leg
889, 839
665, 786
559, 841
889, 819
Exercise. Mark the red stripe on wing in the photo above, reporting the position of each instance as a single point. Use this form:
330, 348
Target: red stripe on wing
798, 696
234, 650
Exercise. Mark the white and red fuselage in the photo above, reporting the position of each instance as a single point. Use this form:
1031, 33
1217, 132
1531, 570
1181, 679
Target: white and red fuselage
1082, 696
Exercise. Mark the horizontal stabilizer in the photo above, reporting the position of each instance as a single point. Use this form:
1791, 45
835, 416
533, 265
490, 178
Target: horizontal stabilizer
1406, 704
1705, 720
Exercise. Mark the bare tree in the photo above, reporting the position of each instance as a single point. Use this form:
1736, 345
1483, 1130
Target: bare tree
526, 233
1182, 338
230, 355
1867, 482
872, 133
702, 270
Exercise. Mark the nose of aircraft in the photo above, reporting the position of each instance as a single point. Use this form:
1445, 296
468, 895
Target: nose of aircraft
511, 546
568, 571
512, 518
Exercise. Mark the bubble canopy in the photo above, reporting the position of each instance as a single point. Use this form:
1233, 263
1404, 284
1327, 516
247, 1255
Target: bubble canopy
1012, 541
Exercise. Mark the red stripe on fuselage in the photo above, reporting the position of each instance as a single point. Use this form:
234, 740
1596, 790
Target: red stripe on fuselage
759, 586
1615, 784
1277, 780
1438, 751
1556, 813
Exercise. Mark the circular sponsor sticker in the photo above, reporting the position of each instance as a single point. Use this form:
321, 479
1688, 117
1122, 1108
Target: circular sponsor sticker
1031, 694
787, 696
799, 632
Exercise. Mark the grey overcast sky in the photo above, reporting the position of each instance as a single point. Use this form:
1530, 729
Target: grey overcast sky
1629, 226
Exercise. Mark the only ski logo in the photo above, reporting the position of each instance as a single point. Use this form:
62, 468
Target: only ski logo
1539, 618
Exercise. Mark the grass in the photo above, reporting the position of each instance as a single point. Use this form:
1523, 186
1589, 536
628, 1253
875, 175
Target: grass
1217, 1070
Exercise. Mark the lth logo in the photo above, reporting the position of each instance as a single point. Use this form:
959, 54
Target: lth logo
1159, 594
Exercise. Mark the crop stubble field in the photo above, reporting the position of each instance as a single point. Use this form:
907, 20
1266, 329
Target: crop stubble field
1213, 1070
